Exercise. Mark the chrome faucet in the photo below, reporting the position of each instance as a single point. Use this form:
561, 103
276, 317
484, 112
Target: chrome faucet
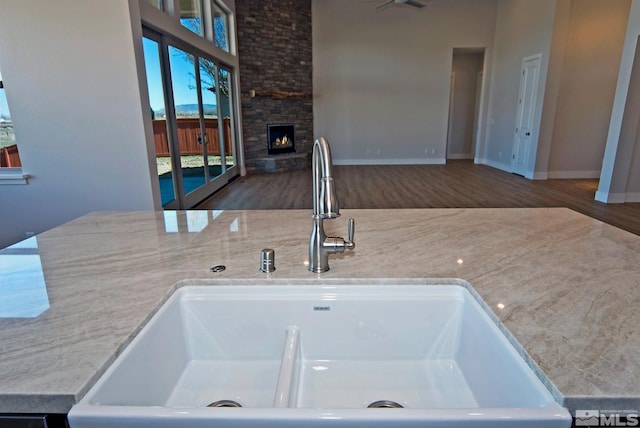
325, 206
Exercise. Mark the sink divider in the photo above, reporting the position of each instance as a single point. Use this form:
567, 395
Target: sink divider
287, 388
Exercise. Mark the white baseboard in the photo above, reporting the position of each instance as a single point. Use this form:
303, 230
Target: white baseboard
574, 174
611, 198
494, 164
540, 175
632, 197
566, 175
617, 198
454, 156
410, 161
543, 175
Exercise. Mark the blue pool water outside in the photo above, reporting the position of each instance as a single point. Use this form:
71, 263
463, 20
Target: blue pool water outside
192, 178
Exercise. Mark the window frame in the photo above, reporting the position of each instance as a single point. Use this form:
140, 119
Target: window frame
166, 28
171, 9
11, 175
158, 4
228, 16
201, 13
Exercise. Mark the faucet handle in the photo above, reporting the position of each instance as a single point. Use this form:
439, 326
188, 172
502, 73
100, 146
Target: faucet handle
351, 230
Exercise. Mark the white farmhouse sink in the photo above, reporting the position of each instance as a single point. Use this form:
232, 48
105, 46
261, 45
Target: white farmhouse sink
311, 356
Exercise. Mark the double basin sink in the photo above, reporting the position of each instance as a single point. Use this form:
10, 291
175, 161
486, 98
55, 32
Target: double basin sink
401, 355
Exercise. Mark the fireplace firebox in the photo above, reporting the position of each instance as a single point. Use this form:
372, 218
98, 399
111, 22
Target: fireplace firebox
281, 138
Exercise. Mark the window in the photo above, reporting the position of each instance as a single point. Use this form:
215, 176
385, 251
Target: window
9, 156
159, 119
191, 97
192, 116
220, 27
191, 15
210, 19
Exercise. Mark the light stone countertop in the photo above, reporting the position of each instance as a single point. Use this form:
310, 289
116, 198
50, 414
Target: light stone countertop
566, 286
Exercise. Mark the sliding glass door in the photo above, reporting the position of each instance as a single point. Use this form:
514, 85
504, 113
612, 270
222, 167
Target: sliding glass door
193, 122
225, 101
153, 66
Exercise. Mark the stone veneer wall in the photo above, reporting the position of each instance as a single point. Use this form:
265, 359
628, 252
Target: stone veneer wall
275, 54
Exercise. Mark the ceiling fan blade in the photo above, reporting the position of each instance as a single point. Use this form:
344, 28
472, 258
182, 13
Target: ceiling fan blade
385, 4
414, 3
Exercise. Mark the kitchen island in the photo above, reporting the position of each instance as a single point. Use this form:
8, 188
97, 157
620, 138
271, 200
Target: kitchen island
564, 285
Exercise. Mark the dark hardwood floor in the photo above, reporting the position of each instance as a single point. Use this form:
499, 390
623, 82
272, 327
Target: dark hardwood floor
459, 184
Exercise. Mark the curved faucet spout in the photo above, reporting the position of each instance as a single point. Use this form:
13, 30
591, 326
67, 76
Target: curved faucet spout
325, 200
325, 206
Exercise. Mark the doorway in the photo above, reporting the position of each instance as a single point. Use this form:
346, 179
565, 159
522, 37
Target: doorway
464, 102
193, 123
525, 144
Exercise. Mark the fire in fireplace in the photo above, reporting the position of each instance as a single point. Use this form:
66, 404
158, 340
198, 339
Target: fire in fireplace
281, 138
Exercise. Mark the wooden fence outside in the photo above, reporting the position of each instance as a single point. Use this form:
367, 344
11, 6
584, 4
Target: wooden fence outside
9, 157
188, 132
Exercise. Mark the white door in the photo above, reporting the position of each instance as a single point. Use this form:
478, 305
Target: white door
523, 151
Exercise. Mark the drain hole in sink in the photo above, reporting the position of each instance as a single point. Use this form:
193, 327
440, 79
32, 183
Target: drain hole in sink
384, 404
225, 403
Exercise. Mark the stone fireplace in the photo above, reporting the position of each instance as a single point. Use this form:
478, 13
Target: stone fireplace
275, 91
281, 138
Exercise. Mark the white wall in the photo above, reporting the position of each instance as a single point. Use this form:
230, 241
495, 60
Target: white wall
632, 191
381, 95
523, 28
72, 86
620, 166
588, 81
553, 86
629, 135
381, 79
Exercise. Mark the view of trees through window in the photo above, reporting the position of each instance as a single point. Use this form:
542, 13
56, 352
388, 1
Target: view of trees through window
9, 156
220, 28
191, 18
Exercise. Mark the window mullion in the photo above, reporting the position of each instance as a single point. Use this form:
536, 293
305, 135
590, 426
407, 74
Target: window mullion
207, 15
172, 8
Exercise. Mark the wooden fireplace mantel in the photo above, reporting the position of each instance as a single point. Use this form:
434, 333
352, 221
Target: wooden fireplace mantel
278, 94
